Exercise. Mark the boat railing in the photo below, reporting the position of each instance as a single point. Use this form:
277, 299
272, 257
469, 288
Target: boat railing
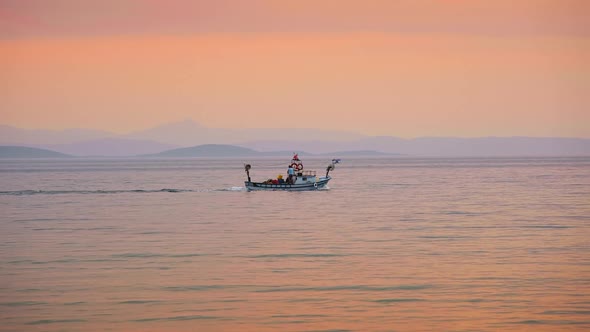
308, 173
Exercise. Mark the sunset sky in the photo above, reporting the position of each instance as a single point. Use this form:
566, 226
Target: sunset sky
402, 68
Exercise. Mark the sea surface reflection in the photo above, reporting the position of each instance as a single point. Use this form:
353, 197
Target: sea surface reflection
395, 244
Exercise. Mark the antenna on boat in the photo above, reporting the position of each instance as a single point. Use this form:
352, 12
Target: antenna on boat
247, 169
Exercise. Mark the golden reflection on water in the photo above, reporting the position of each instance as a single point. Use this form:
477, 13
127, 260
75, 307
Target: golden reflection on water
488, 245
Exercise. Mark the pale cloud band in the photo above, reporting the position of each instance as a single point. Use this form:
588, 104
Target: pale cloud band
26, 18
405, 68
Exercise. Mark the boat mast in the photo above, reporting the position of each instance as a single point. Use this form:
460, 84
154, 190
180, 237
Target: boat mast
330, 168
247, 169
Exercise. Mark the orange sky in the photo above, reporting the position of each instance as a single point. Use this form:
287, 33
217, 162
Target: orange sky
401, 68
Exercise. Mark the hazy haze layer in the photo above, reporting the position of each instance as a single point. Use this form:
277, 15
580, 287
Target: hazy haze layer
461, 68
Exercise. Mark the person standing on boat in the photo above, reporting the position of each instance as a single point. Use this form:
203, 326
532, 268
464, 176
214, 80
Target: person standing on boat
291, 173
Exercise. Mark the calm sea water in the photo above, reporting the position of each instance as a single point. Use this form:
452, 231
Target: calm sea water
396, 244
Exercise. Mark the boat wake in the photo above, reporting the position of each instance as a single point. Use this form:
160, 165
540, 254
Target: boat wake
235, 189
107, 192
90, 192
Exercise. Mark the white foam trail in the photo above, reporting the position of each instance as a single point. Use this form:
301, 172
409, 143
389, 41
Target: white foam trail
89, 192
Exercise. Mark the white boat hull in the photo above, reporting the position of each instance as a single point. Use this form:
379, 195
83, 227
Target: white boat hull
321, 183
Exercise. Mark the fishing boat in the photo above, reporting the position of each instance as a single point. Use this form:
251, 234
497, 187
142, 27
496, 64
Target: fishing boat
299, 179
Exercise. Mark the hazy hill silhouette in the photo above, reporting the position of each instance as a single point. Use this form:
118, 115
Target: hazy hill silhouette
10, 135
225, 150
110, 146
443, 146
26, 152
189, 133
207, 150
81, 142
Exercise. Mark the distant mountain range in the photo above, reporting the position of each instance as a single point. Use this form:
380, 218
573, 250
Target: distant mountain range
190, 133
110, 146
206, 150
83, 142
18, 136
223, 150
26, 152
443, 146
180, 135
